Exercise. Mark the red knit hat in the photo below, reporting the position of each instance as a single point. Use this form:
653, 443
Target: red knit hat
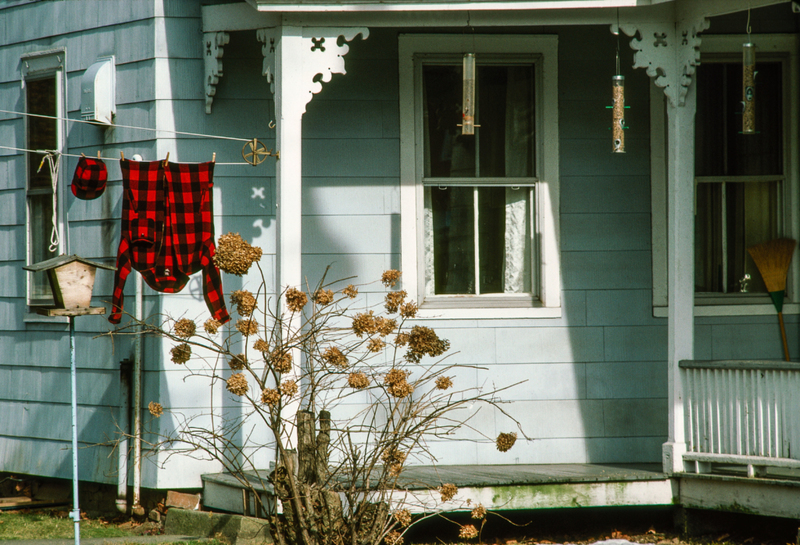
90, 178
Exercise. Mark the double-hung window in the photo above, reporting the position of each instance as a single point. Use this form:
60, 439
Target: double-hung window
479, 211
43, 90
746, 185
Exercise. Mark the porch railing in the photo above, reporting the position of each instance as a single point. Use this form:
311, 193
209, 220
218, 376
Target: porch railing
741, 413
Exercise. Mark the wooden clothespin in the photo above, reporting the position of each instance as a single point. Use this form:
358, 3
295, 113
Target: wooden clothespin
83, 155
164, 164
122, 155
98, 154
214, 157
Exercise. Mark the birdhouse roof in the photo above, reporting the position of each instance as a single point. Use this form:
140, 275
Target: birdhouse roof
63, 260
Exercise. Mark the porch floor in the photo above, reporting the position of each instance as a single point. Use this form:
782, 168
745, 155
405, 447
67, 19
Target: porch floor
528, 486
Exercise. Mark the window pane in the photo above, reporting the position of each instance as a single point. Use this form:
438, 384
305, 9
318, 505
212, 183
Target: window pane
504, 231
721, 148
42, 132
453, 226
504, 111
41, 225
732, 217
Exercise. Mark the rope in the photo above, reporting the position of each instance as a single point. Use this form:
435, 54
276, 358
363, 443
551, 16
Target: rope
45, 152
53, 159
130, 126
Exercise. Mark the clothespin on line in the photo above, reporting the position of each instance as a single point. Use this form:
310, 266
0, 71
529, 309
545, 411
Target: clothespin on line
214, 157
164, 164
122, 155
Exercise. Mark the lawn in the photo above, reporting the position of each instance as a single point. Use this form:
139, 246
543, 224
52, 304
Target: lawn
42, 524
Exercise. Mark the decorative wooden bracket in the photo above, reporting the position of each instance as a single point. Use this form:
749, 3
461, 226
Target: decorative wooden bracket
212, 45
669, 53
320, 57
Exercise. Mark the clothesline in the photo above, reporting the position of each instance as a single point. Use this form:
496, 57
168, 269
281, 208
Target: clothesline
131, 126
51, 152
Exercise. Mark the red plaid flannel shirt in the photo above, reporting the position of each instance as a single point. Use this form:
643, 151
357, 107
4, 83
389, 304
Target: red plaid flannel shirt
176, 202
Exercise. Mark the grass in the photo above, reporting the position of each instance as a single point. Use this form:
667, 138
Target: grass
46, 525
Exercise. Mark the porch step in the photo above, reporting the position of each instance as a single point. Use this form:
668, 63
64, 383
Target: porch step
224, 492
756, 466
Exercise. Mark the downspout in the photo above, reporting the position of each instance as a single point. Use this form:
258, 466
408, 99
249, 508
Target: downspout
137, 508
125, 368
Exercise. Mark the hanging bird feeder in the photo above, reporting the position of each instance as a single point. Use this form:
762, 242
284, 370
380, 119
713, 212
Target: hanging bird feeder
749, 88
71, 281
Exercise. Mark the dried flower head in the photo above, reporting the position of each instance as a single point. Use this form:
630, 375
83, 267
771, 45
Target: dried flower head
181, 353
323, 297
479, 512
393, 300
289, 388
245, 302
390, 278
261, 345
393, 538
358, 380
234, 255
350, 291
448, 491
334, 356
270, 396
237, 384
296, 299
375, 345
185, 328
402, 339
155, 409
385, 326
424, 341
394, 459
468, 531
409, 310
238, 362
397, 384
247, 326
403, 517
281, 360
212, 326
364, 323
443, 383
505, 441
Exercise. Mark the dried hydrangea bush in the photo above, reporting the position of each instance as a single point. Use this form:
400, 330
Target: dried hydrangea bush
298, 362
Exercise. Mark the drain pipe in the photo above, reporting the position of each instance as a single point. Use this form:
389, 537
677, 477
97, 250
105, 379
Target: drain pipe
125, 367
137, 508
137, 405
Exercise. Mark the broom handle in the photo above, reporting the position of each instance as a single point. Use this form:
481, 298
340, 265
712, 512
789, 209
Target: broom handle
783, 336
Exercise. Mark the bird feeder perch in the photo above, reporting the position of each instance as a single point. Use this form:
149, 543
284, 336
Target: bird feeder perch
71, 280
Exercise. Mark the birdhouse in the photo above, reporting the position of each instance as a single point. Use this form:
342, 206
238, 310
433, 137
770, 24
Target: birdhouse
71, 279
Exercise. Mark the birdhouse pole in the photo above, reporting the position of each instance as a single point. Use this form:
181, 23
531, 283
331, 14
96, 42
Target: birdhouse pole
71, 281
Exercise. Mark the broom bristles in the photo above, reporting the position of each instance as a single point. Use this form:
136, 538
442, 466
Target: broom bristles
772, 259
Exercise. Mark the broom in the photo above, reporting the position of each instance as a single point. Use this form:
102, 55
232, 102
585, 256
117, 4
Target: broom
772, 259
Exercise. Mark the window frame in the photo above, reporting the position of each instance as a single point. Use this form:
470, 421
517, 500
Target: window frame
772, 47
542, 51
39, 66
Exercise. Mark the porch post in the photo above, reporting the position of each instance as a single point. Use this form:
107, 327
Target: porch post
680, 267
669, 52
294, 57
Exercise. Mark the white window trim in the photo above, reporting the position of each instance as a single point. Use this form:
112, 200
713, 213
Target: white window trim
547, 224
39, 65
774, 45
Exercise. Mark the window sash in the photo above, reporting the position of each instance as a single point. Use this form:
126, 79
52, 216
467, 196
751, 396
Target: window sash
44, 95
479, 241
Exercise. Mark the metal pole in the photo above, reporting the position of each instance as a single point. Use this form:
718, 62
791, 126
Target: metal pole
76, 512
